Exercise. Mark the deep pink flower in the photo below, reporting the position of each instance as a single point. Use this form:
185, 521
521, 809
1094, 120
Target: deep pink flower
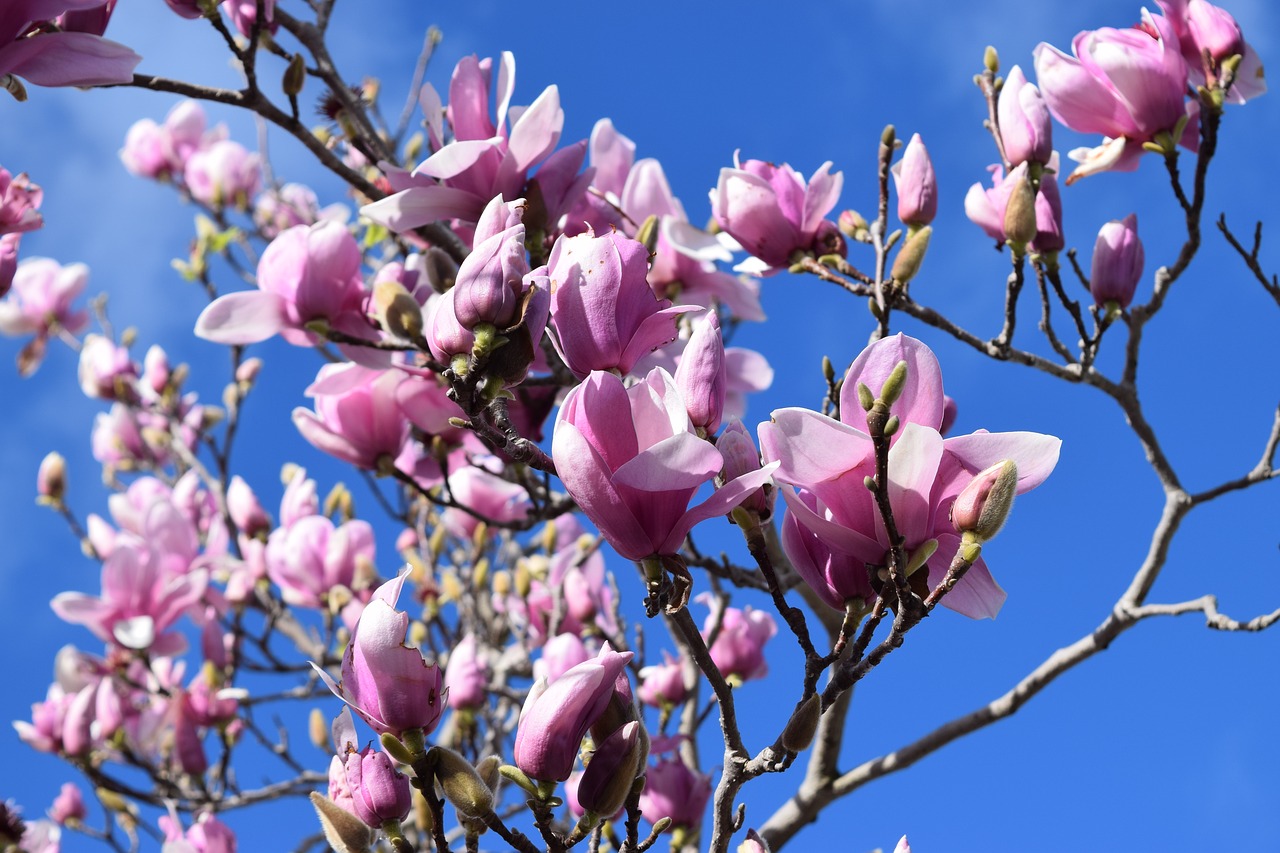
556, 716
379, 792
1128, 85
1117, 262
773, 212
829, 459
603, 311
308, 273
632, 461
675, 791
488, 495
59, 58
391, 686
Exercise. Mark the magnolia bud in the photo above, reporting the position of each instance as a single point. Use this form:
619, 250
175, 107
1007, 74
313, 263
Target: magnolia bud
345, 832
803, 724
295, 75
984, 504
753, 843
462, 783
51, 480
1117, 262
911, 255
397, 310
1020, 215
894, 385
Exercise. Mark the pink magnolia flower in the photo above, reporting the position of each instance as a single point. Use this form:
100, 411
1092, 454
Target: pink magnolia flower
1202, 26
739, 647
485, 158
624, 193
556, 716
916, 184
1025, 128
390, 685
357, 417
144, 590
379, 792
662, 685
829, 459
702, 375
278, 210
466, 675
632, 461
308, 273
40, 302
161, 151
774, 213
673, 790
58, 58
612, 769
1117, 262
488, 495
224, 174
1129, 85
310, 558
19, 203
560, 654
986, 207
206, 835
69, 805
603, 311
106, 371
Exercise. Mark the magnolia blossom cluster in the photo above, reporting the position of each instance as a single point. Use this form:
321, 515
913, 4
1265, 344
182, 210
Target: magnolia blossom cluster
215, 170
578, 286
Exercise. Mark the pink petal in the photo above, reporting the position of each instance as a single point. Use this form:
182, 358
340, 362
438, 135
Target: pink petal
242, 318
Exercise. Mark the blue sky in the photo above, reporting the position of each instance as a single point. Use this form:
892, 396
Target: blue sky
1163, 742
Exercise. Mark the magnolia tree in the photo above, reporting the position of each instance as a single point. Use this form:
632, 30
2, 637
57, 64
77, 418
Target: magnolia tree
574, 548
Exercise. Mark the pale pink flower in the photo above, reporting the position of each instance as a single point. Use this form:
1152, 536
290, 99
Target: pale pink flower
58, 58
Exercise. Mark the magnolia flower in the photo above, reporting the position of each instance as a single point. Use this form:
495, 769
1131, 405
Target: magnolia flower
774, 213
1129, 85
390, 685
830, 459
556, 716
632, 461
60, 57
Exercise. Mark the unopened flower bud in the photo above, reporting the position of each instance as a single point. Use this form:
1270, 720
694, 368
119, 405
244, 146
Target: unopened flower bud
607, 781
702, 376
51, 480
917, 186
380, 791
894, 385
648, 232
754, 843
984, 504
991, 60
247, 372
911, 255
1020, 215
397, 310
295, 75
800, 729
344, 831
1117, 262
461, 783
852, 224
